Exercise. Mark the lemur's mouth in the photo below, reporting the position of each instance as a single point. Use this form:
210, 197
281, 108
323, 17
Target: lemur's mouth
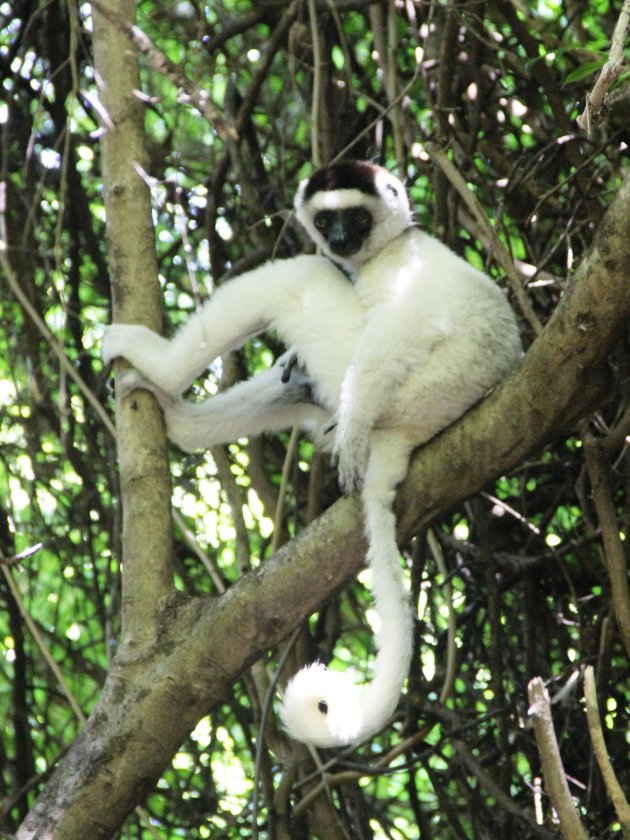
346, 248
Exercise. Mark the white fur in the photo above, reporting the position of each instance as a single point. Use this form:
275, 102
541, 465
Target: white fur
300, 714
393, 358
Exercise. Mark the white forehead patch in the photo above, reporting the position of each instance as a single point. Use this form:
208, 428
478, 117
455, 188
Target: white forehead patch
340, 200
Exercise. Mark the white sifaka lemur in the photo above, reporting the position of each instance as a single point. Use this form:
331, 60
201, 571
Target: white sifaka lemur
394, 337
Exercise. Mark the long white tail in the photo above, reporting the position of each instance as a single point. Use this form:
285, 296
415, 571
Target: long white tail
323, 707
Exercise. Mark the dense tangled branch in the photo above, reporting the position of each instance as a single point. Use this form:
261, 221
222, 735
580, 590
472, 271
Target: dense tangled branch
526, 579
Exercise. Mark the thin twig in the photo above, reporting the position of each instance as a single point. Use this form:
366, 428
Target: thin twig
599, 475
286, 466
555, 778
503, 798
64, 362
16, 559
317, 86
613, 787
375, 768
264, 716
451, 647
198, 98
611, 71
41, 644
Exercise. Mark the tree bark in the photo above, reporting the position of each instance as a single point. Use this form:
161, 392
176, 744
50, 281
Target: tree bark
136, 295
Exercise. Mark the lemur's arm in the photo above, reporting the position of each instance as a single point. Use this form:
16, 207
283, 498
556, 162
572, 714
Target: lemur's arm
238, 310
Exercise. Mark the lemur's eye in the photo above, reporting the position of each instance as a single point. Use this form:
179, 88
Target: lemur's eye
321, 221
364, 218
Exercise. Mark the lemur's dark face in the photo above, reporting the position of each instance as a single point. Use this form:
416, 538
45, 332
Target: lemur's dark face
352, 210
345, 230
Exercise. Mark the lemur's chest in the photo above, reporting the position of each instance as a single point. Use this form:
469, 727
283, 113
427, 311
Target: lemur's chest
391, 278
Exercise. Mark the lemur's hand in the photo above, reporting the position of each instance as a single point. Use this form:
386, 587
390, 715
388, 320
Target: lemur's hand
119, 339
146, 351
288, 361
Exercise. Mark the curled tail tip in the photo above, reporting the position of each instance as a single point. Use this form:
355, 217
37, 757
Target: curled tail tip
322, 708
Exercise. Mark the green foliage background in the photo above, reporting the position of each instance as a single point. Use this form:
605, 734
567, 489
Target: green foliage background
500, 85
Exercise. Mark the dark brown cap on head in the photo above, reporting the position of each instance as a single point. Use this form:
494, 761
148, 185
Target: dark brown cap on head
346, 175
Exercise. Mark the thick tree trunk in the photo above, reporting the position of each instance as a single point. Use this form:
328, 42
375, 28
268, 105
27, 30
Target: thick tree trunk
137, 298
